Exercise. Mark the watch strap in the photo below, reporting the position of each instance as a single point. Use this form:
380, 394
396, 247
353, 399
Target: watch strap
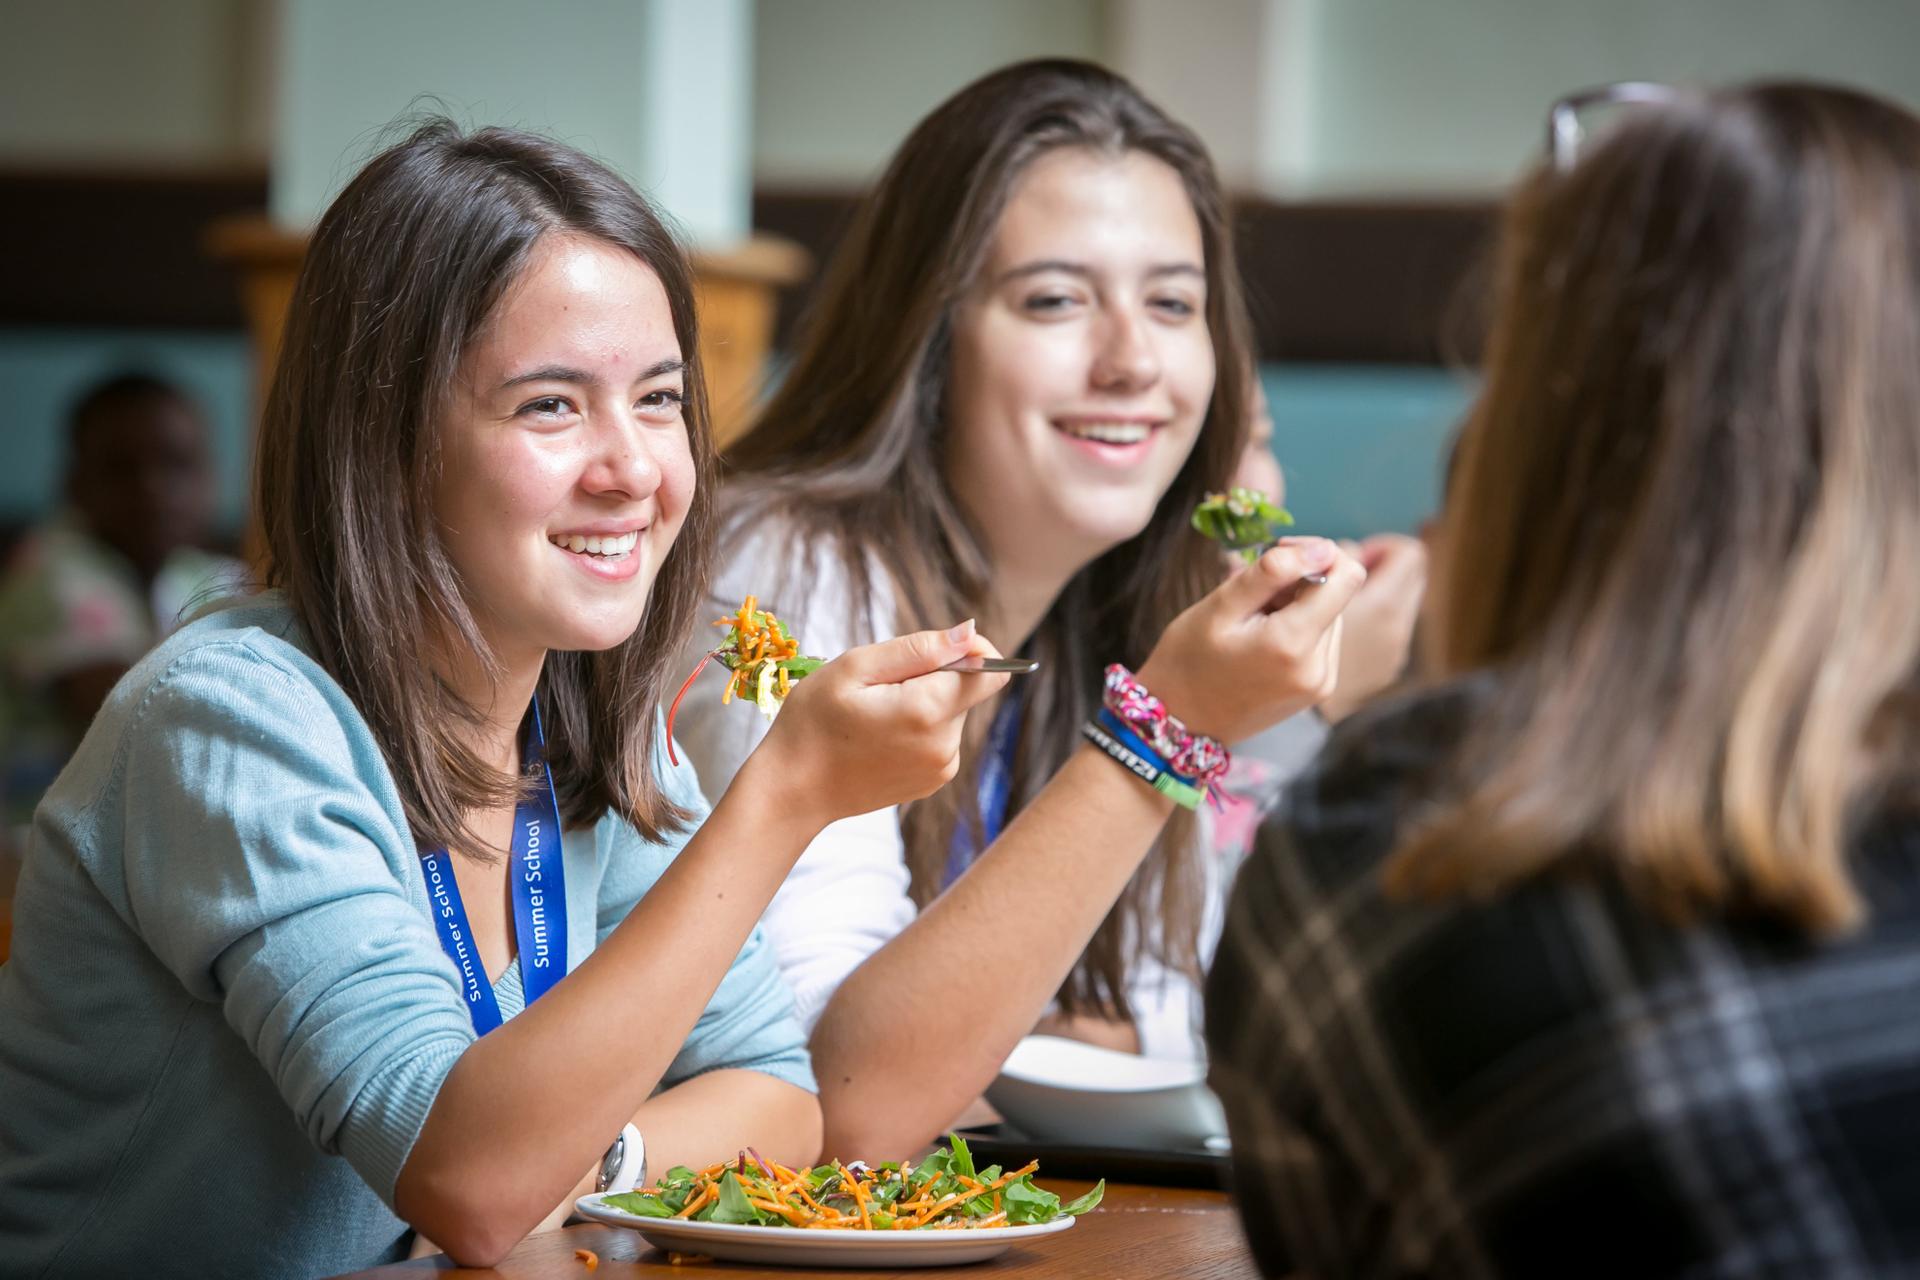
625, 1166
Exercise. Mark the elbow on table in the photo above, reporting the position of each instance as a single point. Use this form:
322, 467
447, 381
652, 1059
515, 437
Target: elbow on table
472, 1231
482, 1254
474, 1243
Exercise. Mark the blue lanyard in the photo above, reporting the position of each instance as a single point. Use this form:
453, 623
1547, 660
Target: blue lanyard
539, 883
996, 784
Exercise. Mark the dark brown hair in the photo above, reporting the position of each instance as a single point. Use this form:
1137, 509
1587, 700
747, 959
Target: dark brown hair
1685, 522
401, 275
850, 450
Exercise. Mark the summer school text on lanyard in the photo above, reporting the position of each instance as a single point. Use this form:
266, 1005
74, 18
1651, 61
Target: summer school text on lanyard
539, 883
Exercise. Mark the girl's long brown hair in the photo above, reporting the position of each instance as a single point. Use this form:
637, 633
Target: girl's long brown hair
1685, 523
850, 452
400, 276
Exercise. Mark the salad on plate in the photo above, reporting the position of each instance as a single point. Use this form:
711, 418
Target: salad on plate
943, 1192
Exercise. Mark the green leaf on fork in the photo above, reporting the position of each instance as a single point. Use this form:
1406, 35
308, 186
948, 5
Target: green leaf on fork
1245, 521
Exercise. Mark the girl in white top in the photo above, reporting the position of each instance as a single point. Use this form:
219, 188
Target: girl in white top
1028, 363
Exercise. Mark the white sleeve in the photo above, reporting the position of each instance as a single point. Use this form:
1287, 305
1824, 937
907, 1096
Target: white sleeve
1166, 1011
845, 899
1166, 1003
849, 893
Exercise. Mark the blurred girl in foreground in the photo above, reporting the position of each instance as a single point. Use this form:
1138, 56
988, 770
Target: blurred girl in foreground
371, 903
1600, 957
1028, 363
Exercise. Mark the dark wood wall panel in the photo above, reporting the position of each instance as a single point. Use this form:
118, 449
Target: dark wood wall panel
119, 248
1379, 282
1386, 281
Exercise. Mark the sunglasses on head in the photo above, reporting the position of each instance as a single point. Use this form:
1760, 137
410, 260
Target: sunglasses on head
1569, 120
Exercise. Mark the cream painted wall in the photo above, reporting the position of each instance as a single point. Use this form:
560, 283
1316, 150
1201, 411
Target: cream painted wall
1413, 95
838, 83
137, 82
656, 88
1303, 96
1206, 62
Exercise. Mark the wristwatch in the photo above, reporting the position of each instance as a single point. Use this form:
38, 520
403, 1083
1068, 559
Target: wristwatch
624, 1167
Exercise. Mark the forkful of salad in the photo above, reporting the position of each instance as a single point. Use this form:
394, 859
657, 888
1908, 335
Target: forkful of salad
763, 662
1246, 522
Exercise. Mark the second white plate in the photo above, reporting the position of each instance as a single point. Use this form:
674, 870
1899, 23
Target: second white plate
1058, 1090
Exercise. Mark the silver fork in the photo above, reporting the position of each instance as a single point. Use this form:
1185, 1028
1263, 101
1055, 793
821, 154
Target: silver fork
977, 664
1311, 579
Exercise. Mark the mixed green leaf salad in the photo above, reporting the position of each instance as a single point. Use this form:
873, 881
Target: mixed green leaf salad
942, 1192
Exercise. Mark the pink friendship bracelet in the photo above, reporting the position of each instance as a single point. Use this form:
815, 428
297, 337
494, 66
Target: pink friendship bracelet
1191, 755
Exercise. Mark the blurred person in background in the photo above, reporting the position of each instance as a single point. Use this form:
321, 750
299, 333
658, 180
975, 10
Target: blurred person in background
88, 593
1028, 363
1599, 956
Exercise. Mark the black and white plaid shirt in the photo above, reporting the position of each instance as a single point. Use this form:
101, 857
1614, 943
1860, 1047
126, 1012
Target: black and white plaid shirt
1554, 1083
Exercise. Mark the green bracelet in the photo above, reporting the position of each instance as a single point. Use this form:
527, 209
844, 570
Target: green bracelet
1184, 794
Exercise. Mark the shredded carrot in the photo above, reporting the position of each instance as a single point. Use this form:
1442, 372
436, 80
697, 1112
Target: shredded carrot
924, 1214
927, 1215
815, 1205
860, 1203
587, 1256
699, 1202
786, 1211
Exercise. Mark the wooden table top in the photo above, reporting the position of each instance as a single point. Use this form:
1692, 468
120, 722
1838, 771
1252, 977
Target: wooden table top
1136, 1231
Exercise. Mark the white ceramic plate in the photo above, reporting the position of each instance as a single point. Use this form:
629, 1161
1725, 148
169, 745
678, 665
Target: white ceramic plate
736, 1242
1057, 1090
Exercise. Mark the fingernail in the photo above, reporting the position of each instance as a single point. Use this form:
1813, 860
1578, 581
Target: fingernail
961, 633
1316, 554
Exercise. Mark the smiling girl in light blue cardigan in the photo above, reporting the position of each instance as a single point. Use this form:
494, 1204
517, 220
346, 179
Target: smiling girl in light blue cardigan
234, 1038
